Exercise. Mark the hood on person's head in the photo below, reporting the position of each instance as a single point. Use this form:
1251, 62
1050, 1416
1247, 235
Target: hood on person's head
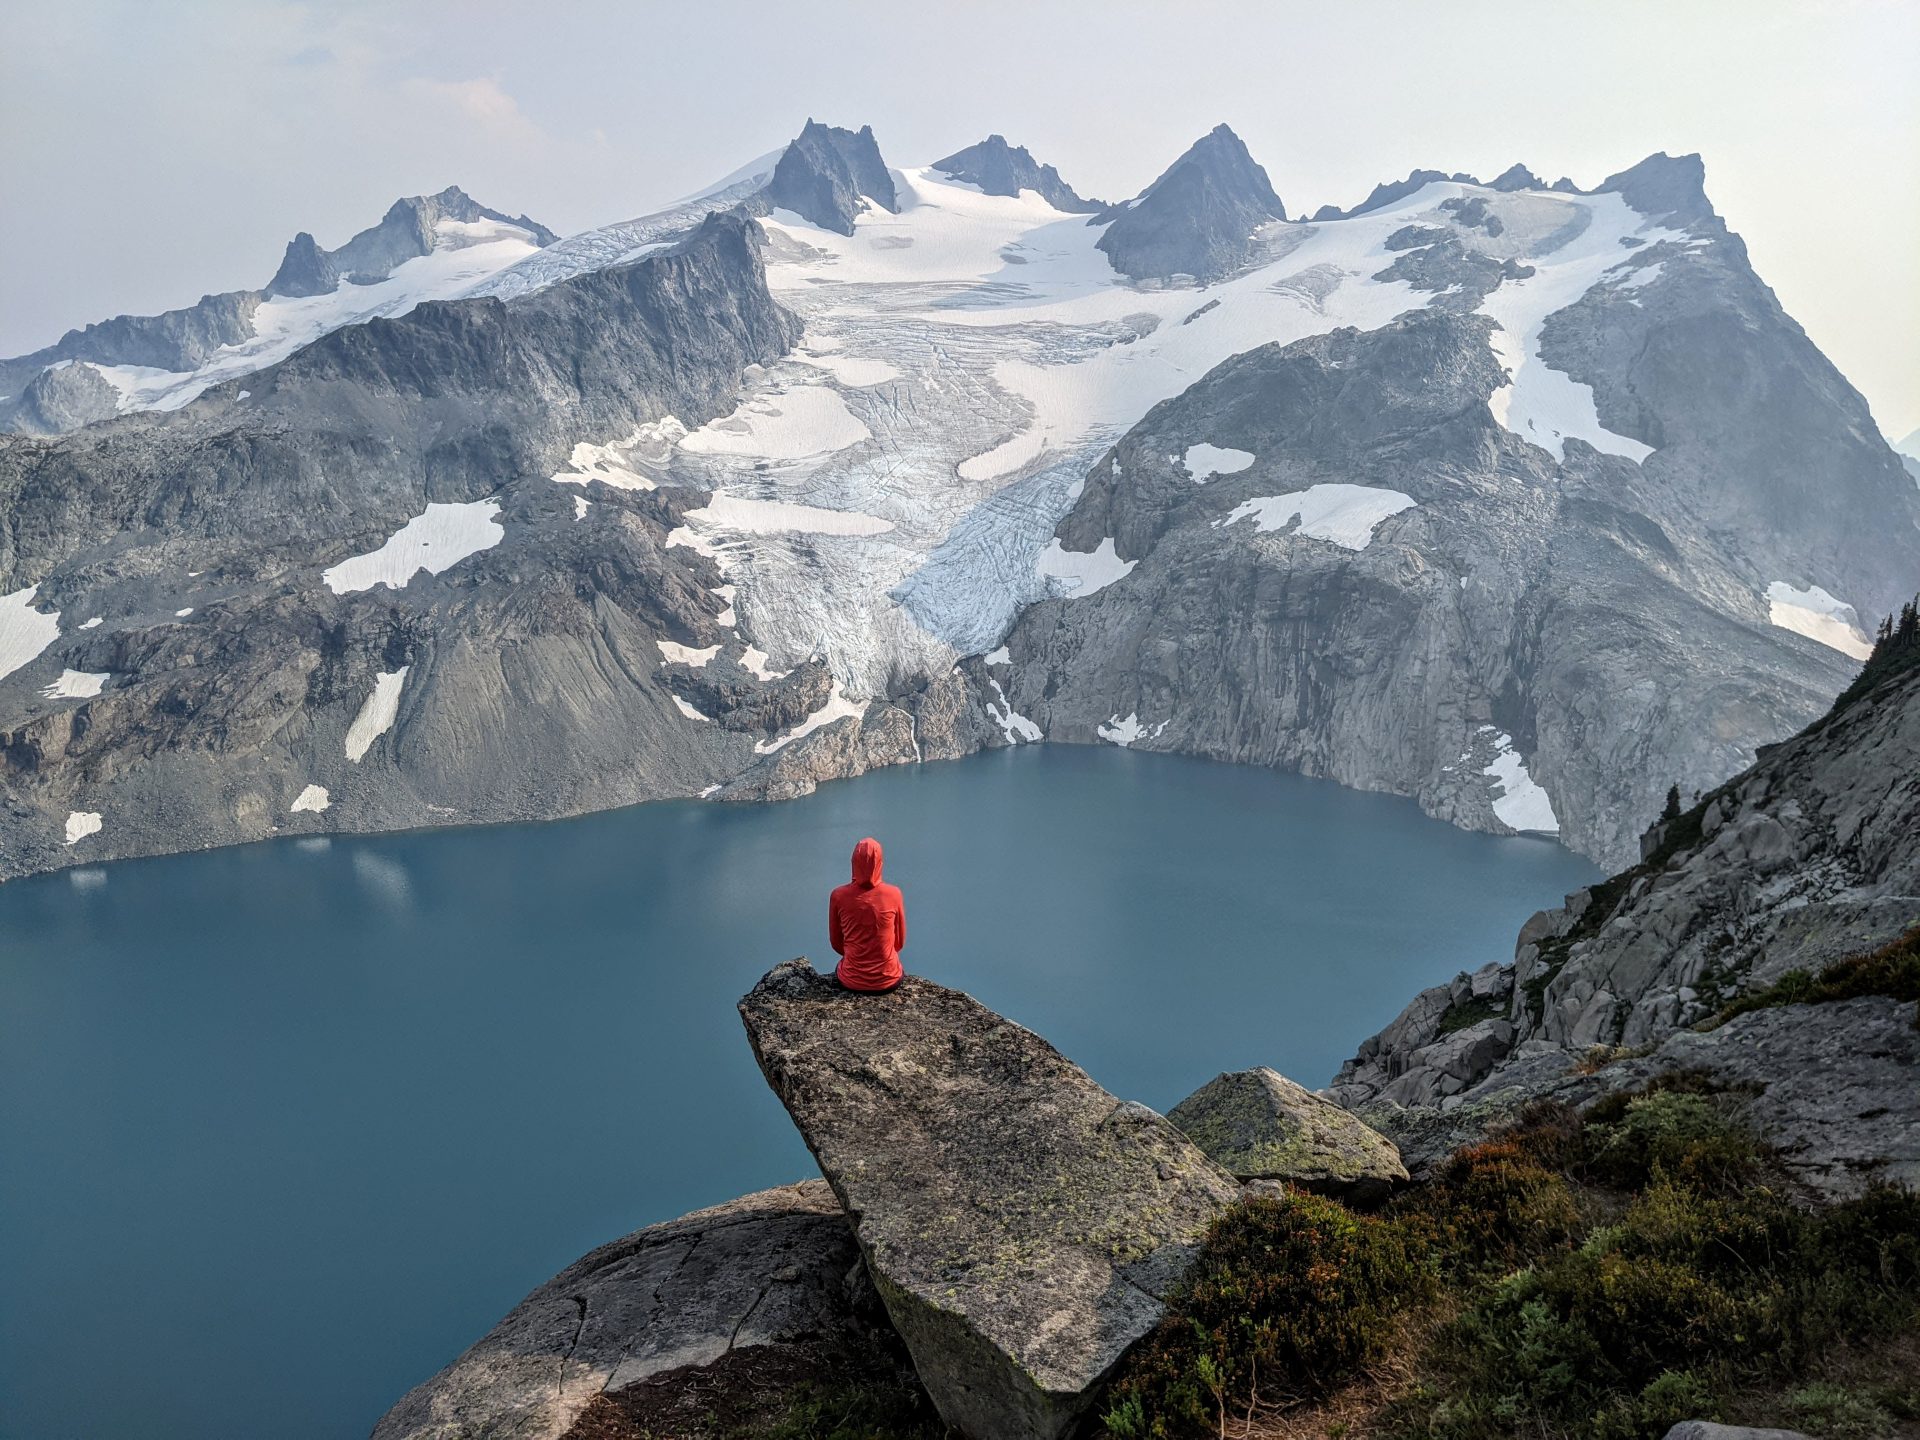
867, 860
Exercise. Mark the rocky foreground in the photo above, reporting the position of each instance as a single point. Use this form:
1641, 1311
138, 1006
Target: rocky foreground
996, 1233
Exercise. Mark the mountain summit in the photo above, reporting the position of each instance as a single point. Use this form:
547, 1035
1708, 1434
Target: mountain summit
827, 174
1002, 169
1198, 218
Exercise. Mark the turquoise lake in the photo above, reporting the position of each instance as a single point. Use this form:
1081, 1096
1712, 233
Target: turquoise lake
283, 1128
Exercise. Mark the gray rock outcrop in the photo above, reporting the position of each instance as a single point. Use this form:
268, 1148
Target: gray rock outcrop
1262, 1128
1021, 1224
1198, 219
1708, 1430
772, 1279
1803, 859
1002, 169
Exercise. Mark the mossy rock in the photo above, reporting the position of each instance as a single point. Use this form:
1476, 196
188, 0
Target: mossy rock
1263, 1128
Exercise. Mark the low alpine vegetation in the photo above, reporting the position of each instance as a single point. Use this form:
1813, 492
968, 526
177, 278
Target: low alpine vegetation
1595, 1278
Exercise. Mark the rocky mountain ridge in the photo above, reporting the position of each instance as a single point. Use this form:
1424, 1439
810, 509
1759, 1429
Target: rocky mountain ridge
65, 385
1436, 499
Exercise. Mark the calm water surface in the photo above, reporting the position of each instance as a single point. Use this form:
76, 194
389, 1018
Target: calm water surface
283, 1128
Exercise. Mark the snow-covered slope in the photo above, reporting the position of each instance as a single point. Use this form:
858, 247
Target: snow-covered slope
968, 358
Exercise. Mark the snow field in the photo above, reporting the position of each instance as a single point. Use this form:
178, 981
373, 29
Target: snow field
438, 538
1345, 515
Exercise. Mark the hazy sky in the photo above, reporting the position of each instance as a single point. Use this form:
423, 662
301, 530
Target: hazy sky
154, 150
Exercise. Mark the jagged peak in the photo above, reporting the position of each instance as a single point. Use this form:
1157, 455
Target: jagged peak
305, 269
1002, 169
1663, 185
827, 173
1224, 158
1516, 177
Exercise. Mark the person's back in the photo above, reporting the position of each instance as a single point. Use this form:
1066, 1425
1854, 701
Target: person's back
867, 924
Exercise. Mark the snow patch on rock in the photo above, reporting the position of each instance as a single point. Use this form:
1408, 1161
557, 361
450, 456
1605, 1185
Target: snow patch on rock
24, 631
312, 800
82, 823
76, 685
1344, 515
377, 713
1521, 803
1814, 613
435, 540
1084, 573
672, 654
1203, 462
838, 707
1125, 732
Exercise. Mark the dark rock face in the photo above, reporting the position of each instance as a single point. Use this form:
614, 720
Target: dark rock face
1262, 1128
827, 174
1664, 185
1516, 177
1498, 603
1061, 1215
306, 270
1198, 218
1002, 169
772, 1279
533, 683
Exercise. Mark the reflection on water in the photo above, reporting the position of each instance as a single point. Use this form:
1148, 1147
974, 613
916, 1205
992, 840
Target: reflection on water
284, 1127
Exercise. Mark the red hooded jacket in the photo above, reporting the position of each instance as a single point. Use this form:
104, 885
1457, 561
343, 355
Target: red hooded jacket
867, 924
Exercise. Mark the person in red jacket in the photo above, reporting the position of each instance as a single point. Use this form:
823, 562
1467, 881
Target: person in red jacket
867, 925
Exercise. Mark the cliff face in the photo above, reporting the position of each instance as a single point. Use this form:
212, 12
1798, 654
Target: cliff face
1806, 858
1449, 603
244, 651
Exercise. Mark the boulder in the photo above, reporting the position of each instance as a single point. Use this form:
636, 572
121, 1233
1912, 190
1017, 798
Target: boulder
1022, 1225
773, 1279
1262, 1127
1708, 1430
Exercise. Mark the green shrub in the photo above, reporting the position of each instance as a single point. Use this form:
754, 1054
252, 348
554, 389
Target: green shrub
1893, 970
1688, 1137
875, 1410
1836, 1412
1290, 1293
1499, 1204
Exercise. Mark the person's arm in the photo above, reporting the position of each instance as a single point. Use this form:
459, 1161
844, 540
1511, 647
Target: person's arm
834, 936
900, 926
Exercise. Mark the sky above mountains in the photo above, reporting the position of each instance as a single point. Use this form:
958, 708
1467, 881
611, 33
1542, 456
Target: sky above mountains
154, 153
